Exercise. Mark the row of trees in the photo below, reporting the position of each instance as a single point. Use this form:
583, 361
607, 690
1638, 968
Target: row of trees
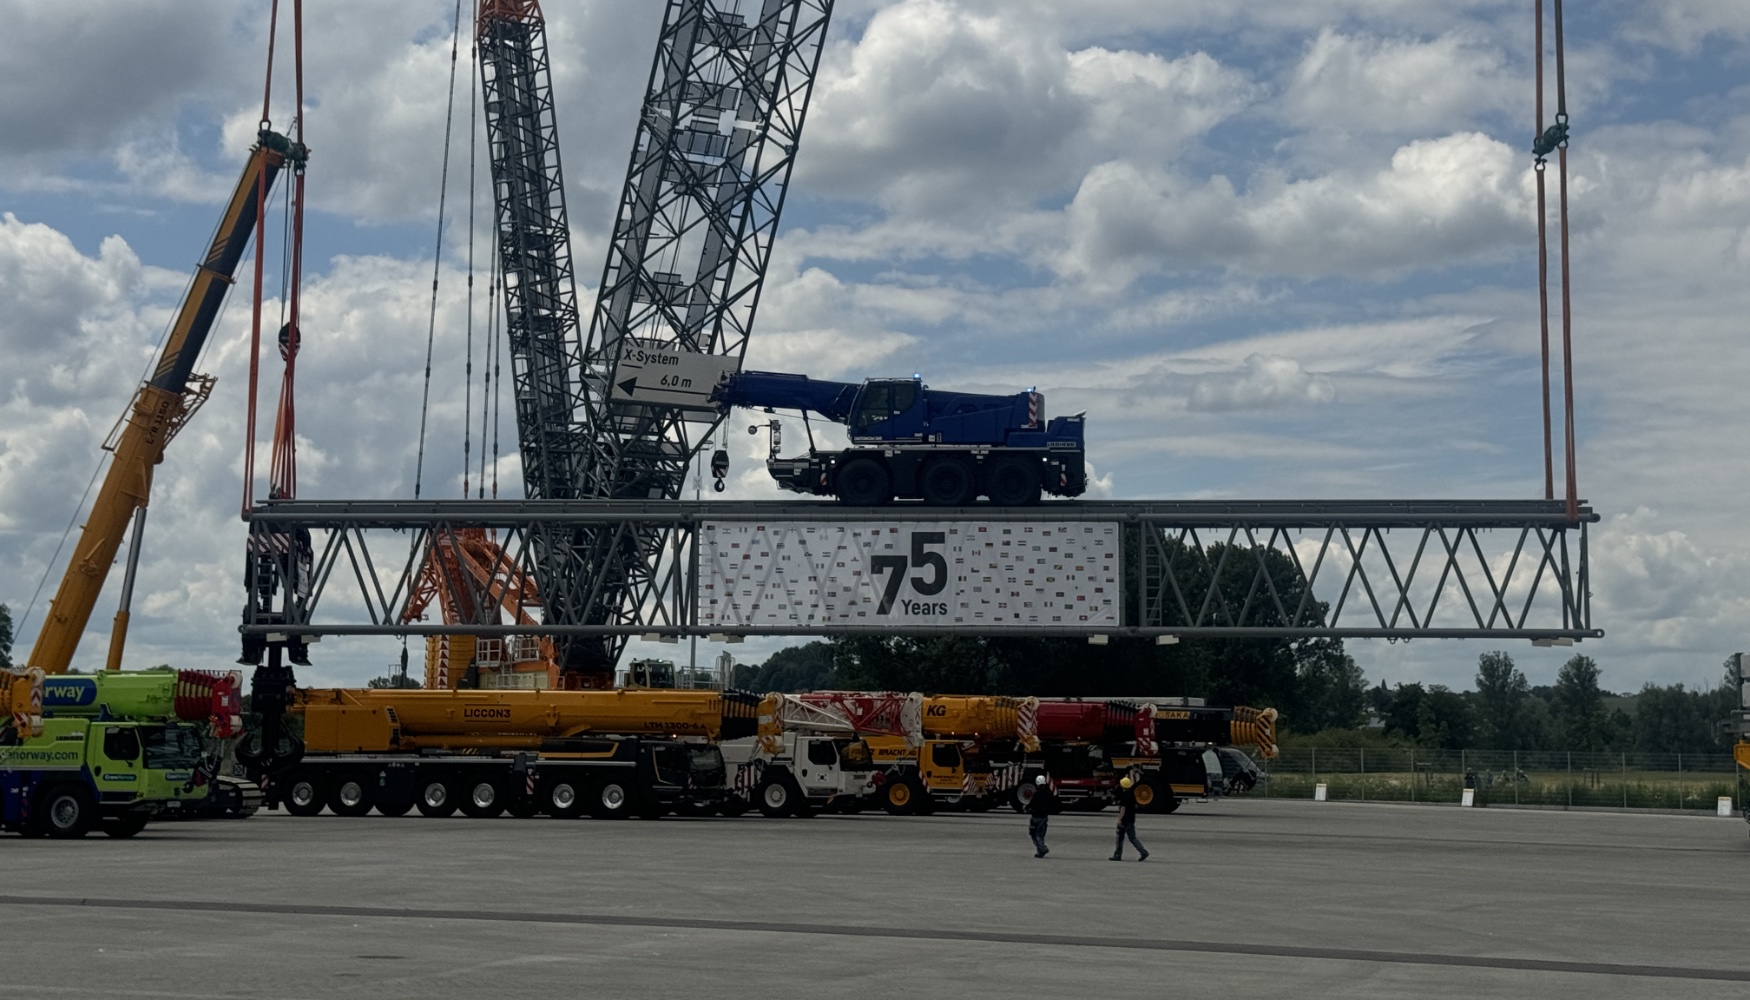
1506, 712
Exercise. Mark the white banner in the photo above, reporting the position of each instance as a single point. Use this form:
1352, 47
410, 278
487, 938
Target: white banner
951, 574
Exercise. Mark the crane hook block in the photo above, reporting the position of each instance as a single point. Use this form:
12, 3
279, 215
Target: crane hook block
719, 468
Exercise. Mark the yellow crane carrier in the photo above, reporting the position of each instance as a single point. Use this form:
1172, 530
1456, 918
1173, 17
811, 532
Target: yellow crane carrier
563, 753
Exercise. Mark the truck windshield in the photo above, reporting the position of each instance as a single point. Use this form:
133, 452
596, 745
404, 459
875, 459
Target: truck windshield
707, 767
171, 748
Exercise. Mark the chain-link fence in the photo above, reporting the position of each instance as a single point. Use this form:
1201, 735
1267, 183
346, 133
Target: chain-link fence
1553, 779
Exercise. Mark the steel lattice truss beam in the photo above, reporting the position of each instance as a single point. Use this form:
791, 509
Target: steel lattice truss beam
716, 142
1372, 569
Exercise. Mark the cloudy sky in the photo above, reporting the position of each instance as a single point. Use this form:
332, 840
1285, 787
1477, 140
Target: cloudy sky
1278, 249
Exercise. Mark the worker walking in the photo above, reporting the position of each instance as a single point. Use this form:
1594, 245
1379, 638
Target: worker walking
1039, 810
1127, 821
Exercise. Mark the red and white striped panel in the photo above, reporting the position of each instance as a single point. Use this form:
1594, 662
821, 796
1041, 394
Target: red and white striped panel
1027, 723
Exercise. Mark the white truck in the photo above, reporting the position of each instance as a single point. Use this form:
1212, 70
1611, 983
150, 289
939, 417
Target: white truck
806, 760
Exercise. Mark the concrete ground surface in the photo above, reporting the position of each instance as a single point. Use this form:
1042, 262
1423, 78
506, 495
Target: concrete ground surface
1243, 898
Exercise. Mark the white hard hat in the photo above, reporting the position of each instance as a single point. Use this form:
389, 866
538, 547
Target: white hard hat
1040, 780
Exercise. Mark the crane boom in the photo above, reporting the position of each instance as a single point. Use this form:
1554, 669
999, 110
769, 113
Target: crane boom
534, 242
710, 167
159, 409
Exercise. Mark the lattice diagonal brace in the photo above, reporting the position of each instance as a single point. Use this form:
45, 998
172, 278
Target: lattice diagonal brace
709, 171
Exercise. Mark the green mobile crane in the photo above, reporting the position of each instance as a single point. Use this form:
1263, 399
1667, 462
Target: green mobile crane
109, 751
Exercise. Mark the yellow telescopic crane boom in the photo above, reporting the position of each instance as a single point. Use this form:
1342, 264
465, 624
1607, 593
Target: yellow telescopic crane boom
160, 409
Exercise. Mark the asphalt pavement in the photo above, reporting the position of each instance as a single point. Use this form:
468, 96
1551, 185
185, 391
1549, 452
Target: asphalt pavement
1244, 898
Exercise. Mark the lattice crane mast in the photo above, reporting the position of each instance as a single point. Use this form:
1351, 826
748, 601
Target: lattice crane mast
716, 143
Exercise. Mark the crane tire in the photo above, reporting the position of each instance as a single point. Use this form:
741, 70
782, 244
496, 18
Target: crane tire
863, 482
305, 794
904, 796
482, 798
437, 796
947, 482
564, 799
68, 811
777, 796
352, 795
611, 798
1012, 481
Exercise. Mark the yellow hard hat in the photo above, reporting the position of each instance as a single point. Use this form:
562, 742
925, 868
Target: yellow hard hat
1125, 783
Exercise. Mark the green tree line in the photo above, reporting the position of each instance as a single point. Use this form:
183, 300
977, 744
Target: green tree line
1506, 712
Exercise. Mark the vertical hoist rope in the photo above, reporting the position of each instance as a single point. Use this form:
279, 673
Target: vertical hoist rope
255, 309
437, 257
1554, 139
1567, 283
1549, 462
468, 368
283, 463
494, 338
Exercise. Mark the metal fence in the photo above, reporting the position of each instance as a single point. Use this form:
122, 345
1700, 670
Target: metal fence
1551, 779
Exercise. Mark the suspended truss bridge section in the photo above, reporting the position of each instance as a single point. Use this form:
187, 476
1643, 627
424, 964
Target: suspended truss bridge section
1185, 569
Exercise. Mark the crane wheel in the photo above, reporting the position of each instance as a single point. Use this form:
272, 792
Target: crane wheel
777, 796
482, 799
68, 811
1145, 796
612, 799
903, 796
1022, 796
564, 800
1012, 481
947, 482
352, 796
437, 797
304, 794
863, 482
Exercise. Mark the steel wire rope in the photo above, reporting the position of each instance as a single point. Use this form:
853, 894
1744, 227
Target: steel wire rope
1554, 139
1569, 435
493, 326
255, 309
1549, 473
282, 463
468, 354
437, 258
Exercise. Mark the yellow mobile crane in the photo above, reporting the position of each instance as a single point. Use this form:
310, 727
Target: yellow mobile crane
161, 407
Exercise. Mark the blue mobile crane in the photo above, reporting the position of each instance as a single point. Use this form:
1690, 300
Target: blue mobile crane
909, 441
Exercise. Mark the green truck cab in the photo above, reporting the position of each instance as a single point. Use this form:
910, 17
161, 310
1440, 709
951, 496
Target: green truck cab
108, 751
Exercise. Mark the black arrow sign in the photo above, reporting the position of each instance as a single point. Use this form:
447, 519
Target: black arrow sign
629, 386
